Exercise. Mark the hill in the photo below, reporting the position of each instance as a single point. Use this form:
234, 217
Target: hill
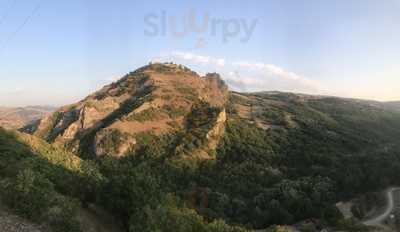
395, 105
157, 99
179, 152
15, 118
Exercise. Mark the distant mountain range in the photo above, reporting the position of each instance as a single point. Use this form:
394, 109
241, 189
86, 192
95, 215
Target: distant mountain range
15, 118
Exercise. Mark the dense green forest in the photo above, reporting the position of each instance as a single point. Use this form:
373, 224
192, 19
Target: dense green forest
320, 151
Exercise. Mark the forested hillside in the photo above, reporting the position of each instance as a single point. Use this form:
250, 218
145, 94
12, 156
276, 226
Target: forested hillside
200, 159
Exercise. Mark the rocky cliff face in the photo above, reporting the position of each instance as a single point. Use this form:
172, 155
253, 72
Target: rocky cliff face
158, 99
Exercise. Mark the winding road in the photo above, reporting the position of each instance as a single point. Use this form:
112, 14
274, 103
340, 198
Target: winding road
378, 220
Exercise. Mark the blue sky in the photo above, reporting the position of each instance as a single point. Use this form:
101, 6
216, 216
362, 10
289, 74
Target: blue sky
56, 52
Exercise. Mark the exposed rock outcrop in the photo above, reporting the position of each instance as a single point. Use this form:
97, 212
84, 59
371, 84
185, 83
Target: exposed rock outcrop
156, 99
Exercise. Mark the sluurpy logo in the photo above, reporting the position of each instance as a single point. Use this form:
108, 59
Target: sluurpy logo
202, 25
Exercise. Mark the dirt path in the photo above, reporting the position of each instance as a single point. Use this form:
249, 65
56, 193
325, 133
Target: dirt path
13, 223
378, 220
94, 219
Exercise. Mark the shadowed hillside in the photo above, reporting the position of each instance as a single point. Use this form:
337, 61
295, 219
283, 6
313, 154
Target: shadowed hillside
46, 185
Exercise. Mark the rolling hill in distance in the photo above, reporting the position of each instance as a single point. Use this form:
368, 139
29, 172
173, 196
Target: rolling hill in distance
165, 149
15, 118
395, 105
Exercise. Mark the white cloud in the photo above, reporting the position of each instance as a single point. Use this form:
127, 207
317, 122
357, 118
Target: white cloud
15, 90
220, 62
247, 76
198, 59
112, 79
273, 70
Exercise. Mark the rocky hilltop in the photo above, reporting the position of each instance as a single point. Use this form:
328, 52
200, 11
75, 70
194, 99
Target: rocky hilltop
156, 100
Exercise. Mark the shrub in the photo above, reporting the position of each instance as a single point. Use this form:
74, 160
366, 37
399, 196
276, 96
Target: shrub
62, 216
30, 195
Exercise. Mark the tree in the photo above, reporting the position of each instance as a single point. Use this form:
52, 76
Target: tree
31, 194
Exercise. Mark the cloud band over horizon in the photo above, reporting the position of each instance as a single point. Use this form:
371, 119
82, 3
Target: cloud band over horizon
247, 76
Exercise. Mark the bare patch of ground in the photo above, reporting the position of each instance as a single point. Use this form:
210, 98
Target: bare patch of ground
12, 223
95, 219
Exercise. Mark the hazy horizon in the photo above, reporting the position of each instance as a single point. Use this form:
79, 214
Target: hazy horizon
57, 53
